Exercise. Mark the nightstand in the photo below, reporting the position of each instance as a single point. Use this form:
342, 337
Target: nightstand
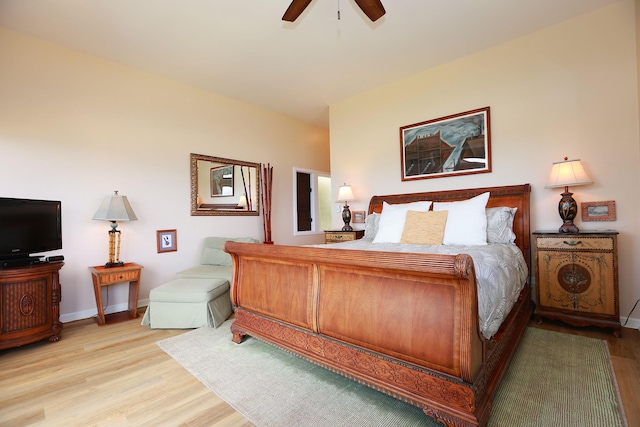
336, 236
103, 276
577, 278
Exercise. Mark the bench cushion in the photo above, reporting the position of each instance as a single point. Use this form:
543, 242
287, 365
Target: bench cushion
189, 290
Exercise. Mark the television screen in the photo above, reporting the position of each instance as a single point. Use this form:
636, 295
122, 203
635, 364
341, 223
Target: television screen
29, 227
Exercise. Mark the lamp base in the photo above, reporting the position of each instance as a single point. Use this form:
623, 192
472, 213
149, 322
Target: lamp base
568, 209
114, 264
346, 217
114, 247
568, 227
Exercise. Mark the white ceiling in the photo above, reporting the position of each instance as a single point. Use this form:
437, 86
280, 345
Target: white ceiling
243, 50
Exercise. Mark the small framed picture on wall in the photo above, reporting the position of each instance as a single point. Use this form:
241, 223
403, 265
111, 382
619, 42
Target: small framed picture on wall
599, 211
167, 240
359, 216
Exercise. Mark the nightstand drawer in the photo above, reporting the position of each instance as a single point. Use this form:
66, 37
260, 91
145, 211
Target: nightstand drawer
576, 243
338, 237
342, 236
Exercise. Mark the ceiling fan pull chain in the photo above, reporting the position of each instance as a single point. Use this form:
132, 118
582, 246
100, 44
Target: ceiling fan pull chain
338, 10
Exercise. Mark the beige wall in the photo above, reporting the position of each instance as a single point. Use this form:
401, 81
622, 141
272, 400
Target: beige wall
75, 127
569, 90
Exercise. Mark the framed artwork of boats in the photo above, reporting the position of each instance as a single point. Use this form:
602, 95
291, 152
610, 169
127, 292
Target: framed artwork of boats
453, 145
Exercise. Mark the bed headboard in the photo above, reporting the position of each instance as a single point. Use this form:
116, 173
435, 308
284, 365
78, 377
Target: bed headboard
513, 196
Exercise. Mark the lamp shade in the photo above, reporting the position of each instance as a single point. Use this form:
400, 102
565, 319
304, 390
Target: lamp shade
115, 208
345, 194
242, 202
567, 173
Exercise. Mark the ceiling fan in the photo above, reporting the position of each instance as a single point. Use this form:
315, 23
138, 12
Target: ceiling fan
372, 8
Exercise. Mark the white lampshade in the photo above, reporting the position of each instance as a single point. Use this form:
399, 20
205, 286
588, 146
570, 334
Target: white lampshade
242, 202
115, 208
568, 173
345, 194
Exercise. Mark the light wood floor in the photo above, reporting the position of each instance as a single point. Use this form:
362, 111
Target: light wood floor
116, 375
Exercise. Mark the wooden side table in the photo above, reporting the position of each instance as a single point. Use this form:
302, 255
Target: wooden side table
577, 278
102, 276
336, 236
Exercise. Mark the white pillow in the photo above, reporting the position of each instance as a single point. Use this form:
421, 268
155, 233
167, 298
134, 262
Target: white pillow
392, 220
500, 225
466, 221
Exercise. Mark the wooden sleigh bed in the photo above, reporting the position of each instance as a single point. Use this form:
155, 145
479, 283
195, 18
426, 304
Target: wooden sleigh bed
405, 324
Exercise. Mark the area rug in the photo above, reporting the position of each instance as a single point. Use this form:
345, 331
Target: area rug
554, 379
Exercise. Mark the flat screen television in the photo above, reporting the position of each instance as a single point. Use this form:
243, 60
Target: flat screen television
28, 227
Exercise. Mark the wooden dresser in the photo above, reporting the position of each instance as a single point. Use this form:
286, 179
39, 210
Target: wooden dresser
337, 236
577, 278
30, 304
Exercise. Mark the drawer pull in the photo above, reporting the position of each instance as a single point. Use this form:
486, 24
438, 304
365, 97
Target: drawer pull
572, 243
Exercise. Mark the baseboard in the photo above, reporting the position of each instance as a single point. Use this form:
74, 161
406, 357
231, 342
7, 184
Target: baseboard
632, 323
87, 314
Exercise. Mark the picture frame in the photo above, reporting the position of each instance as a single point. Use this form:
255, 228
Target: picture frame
458, 144
222, 181
166, 240
599, 211
358, 217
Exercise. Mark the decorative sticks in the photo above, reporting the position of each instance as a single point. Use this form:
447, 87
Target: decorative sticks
266, 181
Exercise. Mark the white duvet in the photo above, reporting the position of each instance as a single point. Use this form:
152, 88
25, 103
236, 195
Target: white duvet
501, 272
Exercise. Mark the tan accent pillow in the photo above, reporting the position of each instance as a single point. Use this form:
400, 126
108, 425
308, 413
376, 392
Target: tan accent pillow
424, 228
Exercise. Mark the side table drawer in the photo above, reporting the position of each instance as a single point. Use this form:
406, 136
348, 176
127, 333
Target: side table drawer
119, 276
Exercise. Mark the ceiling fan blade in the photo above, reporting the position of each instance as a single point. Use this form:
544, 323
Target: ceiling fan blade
372, 8
295, 9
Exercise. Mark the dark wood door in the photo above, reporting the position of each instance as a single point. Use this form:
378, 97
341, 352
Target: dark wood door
303, 196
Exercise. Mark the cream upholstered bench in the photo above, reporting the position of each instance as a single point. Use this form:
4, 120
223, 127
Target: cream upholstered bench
200, 295
188, 303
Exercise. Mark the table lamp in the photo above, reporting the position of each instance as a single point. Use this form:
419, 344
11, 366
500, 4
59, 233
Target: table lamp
115, 208
564, 174
345, 194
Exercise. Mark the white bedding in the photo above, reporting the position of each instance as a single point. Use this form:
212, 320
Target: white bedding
501, 272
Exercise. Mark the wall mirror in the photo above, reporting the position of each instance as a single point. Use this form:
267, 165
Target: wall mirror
224, 186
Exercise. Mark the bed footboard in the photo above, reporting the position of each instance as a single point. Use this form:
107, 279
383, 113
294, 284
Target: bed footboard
405, 324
